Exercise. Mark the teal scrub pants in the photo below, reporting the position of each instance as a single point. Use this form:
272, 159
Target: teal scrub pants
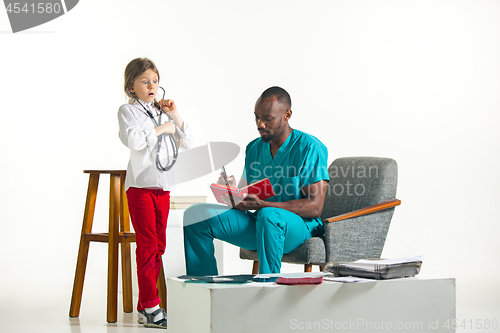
270, 231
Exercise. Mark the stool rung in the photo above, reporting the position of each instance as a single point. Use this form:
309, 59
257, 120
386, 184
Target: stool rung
123, 237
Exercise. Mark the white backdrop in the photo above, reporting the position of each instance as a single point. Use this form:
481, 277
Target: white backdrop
417, 81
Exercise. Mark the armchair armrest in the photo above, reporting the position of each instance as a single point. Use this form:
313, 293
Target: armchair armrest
366, 210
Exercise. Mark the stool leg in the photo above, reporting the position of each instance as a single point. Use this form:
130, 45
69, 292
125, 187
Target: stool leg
83, 251
125, 250
162, 288
114, 211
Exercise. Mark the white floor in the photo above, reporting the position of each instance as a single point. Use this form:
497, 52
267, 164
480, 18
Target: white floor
43, 307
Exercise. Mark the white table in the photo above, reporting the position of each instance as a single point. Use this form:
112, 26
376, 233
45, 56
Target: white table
417, 304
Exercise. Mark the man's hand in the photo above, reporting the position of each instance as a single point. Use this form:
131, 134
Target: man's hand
224, 180
251, 202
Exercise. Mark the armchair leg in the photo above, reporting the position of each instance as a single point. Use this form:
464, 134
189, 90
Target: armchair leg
255, 268
308, 268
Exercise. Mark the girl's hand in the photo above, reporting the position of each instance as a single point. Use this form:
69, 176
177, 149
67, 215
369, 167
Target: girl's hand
167, 105
167, 128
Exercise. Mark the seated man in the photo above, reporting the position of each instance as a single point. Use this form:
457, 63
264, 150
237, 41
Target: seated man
296, 165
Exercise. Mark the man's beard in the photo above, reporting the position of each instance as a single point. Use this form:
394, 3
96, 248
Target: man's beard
276, 133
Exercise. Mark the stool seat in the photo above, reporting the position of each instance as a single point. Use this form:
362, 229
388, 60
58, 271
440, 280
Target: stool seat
119, 233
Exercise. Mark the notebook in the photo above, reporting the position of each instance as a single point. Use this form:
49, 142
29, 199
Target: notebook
230, 195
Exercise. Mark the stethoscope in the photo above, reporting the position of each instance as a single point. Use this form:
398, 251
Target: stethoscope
160, 166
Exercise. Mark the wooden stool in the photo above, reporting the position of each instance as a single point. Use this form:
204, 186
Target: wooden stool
119, 233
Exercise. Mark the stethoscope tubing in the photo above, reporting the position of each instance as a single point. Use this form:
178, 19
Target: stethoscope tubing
175, 147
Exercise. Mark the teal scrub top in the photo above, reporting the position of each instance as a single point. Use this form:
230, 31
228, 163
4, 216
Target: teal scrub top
300, 161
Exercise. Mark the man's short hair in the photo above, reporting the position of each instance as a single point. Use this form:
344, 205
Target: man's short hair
281, 95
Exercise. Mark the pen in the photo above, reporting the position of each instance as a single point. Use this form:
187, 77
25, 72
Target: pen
227, 184
225, 175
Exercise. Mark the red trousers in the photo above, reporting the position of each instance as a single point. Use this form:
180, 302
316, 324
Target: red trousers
149, 213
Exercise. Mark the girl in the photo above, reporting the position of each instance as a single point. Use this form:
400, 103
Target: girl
152, 131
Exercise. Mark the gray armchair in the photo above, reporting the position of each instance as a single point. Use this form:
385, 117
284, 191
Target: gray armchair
356, 215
